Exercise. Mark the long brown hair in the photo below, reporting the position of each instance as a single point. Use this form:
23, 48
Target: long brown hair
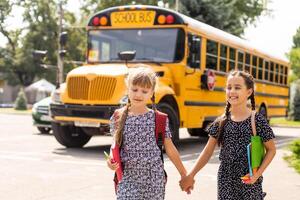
249, 81
143, 76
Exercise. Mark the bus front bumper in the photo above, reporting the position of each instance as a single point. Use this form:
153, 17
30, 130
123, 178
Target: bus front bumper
83, 113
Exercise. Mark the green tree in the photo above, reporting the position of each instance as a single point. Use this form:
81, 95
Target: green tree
294, 57
296, 103
41, 32
90, 6
21, 101
8, 63
228, 15
296, 39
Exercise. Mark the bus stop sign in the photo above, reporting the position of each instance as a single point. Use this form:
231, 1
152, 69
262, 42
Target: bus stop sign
211, 79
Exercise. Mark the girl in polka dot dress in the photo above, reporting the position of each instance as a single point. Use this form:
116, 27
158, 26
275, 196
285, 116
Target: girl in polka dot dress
232, 132
134, 130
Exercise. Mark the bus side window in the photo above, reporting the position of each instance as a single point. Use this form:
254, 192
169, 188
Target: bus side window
285, 74
281, 75
231, 59
223, 58
276, 73
260, 68
211, 54
254, 66
247, 63
267, 70
240, 60
194, 43
272, 72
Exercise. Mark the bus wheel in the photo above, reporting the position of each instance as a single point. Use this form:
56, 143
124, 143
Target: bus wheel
44, 130
173, 119
263, 111
200, 132
69, 136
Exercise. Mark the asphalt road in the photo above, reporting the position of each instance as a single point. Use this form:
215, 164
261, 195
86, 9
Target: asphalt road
35, 167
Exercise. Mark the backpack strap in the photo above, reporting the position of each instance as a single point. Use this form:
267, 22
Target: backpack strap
160, 130
253, 123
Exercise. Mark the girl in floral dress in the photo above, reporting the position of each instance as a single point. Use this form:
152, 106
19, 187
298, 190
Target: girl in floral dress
143, 171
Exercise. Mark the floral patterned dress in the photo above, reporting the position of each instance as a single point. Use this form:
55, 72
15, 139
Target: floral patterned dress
143, 172
233, 157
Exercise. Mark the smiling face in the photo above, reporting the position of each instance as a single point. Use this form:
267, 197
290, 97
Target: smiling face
237, 92
138, 95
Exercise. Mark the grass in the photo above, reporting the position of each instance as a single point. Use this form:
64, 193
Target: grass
294, 158
284, 122
13, 111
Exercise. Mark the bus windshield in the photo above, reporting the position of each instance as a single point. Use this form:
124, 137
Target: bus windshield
153, 45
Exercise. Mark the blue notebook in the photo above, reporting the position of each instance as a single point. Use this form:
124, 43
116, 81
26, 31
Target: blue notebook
249, 159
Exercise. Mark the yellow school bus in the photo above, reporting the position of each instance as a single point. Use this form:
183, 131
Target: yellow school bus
190, 58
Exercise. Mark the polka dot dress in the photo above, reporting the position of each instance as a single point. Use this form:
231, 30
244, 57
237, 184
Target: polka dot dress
233, 158
143, 174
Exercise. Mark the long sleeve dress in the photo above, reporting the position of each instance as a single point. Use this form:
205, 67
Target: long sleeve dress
233, 158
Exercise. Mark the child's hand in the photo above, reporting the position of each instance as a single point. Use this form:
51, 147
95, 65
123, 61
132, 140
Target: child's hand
249, 180
187, 183
112, 164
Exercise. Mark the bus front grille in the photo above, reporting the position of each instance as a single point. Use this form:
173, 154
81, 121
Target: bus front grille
96, 89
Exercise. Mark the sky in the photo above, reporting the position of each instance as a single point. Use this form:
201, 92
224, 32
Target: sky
272, 33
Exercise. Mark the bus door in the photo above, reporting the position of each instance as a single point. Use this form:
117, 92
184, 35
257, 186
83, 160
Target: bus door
193, 94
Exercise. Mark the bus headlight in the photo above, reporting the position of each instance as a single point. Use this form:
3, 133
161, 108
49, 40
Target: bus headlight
55, 97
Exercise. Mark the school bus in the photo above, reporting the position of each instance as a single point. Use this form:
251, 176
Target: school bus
190, 58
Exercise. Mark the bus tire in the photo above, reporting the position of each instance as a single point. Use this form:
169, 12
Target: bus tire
69, 136
44, 130
263, 111
173, 119
200, 132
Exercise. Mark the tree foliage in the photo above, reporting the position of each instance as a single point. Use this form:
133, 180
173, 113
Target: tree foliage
228, 15
41, 33
21, 101
296, 39
294, 57
296, 103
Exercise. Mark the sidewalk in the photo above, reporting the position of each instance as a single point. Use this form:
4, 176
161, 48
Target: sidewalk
280, 180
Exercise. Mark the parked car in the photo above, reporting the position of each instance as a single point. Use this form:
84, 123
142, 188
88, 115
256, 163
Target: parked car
41, 115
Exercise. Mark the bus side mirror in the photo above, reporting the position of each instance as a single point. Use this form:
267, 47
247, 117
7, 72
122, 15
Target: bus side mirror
126, 55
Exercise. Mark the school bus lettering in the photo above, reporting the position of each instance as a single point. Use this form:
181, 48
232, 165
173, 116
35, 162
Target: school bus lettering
132, 18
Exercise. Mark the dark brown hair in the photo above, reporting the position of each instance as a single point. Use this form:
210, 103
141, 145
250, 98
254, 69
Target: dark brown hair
221, 121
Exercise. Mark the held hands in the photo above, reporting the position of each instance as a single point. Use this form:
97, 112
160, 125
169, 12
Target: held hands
187, 183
